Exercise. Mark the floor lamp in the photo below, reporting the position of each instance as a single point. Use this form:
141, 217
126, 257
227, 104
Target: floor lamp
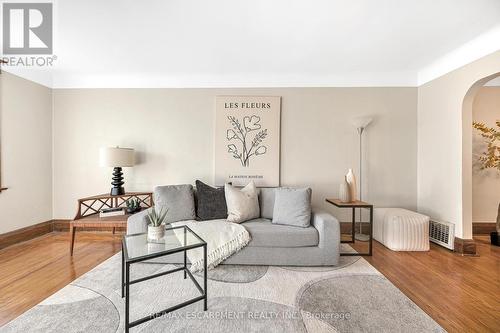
361, 123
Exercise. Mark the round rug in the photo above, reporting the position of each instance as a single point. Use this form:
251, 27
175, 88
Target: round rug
231, 314
344, 261
236, 273
73, 309
363, 303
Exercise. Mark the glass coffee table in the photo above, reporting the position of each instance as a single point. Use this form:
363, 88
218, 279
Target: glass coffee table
136, 248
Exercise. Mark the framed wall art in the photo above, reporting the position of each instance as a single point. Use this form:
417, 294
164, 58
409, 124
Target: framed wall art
247, 140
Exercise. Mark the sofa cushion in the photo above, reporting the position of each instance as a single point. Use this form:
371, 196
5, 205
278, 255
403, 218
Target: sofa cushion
292, 206
242, 204
179, 199
266, 234
210, 202
266, 201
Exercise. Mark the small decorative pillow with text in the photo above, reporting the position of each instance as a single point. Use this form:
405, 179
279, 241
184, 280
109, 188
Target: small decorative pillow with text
242, 204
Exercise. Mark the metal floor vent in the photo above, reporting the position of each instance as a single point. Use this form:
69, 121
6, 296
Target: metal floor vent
442, 233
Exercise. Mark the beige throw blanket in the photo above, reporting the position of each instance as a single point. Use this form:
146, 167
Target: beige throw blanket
223, 240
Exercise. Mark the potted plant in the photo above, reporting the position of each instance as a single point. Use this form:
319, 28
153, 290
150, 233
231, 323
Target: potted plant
156, 227
133, 206
490, 159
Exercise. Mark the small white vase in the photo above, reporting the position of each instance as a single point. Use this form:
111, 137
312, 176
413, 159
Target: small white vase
344, 192
351, 180
156, 233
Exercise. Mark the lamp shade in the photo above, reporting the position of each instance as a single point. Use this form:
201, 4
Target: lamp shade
116, 157
361, 122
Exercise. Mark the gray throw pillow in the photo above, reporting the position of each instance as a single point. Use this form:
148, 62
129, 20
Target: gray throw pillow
210, 202
266, 201
292, 206
179, 199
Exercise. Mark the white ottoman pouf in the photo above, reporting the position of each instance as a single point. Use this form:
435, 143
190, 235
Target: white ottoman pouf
401, 229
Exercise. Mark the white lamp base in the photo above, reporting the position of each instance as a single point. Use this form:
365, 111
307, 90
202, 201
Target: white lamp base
362, 237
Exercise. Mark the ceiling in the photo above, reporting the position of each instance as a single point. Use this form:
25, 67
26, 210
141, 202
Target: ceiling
233, 43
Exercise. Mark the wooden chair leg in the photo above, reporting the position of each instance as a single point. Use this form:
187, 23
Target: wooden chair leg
113, 230
72, 231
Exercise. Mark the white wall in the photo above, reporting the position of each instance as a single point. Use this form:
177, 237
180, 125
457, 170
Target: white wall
26, 153
485, 183
444, 143
172, 129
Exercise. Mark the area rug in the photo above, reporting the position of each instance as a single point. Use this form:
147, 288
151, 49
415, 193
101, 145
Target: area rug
350, 297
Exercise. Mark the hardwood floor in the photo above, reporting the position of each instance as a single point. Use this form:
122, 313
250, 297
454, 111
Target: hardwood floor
460, 293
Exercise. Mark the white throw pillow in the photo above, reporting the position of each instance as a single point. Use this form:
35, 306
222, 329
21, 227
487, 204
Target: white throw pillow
242, 204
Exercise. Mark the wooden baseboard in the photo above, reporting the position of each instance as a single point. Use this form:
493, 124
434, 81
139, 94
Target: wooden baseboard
40, 229
483, 228
345, 227
24, 234
462, 246
61, 225
465, 246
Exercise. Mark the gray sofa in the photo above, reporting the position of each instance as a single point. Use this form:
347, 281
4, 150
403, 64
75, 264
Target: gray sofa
274, 244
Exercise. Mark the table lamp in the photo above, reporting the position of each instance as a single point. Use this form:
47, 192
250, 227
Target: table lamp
117, 158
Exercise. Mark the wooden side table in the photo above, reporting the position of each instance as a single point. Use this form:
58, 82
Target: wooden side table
353, 205
88, 212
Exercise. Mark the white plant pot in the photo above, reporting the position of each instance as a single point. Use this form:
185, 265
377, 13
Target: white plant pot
156, 233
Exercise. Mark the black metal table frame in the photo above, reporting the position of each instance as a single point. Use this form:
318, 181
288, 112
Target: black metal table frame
370, 242
353, 229
126, 263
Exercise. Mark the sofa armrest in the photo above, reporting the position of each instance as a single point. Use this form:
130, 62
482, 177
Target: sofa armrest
328, 230
138, 223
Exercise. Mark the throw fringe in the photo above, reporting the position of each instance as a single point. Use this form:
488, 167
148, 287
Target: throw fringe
223, 252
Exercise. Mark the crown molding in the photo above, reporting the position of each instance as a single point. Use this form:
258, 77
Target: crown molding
473, 50
63, 81
481, 46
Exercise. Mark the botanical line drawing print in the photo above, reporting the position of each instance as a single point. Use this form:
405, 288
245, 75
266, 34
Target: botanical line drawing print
246, 146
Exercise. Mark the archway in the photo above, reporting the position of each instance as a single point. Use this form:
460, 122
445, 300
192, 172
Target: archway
467, 153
